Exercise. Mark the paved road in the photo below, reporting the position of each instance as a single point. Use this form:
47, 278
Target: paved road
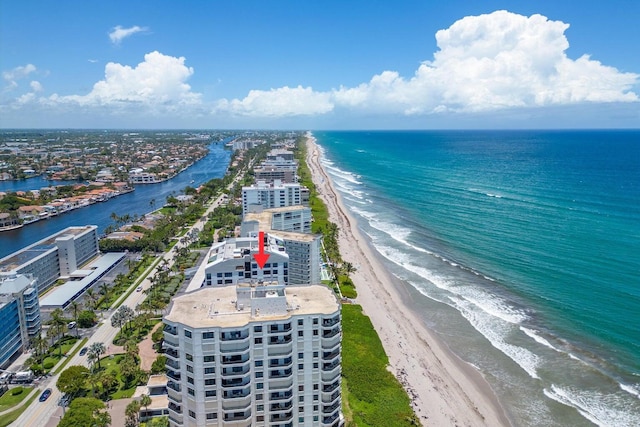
47, 414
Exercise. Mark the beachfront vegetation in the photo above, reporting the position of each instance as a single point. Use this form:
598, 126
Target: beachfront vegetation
371, 395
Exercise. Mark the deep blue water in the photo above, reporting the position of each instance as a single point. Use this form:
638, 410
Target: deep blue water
522, 249
139, 202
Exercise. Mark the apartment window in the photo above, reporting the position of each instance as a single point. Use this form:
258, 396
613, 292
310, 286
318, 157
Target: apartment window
191, 391
301, 409
190, 380
211, 381
300, 333
300, 355
315, 354
315, 397
257, 329
300, 420
207, 335
212, 416
258, 363
259, 407
259, 374
189, 357
315, 407
208, 359
315, 386
300, 366
300, 388
189, 368
300, 322
259, 396
192, 414
187, 333
257, 340
315, 321
209, 370
315, 332
259, 386
300, 398
210, 393
315, 418
260, 418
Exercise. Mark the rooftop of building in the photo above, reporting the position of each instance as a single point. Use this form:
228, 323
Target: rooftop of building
216, 307
61, 295
23, 256
265, 223
238, 248
14, 283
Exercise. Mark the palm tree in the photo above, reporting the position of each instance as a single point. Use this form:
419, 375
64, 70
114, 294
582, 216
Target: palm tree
145, 401
76, 307
132, 411
348, 268
95, 351
39, 346
92, 297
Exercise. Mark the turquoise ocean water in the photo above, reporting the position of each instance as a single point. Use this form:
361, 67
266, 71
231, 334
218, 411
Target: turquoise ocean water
521, 249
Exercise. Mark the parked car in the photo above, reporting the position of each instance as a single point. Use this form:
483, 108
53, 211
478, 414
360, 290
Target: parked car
139, 288
45, 395
83, 351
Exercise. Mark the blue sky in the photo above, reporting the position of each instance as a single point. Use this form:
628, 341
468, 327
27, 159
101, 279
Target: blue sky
320, 64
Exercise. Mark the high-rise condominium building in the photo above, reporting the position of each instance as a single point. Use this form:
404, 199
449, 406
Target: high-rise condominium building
254, 355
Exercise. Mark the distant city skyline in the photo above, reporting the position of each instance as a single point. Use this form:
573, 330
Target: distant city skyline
319, 65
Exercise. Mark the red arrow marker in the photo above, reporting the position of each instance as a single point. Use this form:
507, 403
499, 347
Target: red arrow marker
261, 258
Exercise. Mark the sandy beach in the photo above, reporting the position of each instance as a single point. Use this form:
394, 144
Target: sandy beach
444, 390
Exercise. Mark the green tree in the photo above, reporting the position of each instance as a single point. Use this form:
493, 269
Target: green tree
96, 350
84, 412
132, 412
75, 308
145, 401
87, 319
72, 380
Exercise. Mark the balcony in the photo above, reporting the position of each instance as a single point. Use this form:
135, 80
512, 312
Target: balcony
174, 364
275, 329
236, 394
330, 419
237, 416
331, 408
237, 404
330, 366
329, 355
280, 373
332, 397
173, 353
331, 332
277, 363
235, 346
281, 395
281, 417
327, 323
234, 336
236, 370
175, 420
329, 388
330, 376
234, 359
330, 344
172, 330
284, 339
173, 375
173, 386
174, 396
175, 408
235, 382
168, 342
281, 406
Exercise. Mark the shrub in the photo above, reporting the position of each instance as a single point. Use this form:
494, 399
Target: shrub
16, 391
48, 365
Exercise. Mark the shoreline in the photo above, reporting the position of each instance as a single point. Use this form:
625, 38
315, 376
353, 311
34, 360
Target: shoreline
443, 389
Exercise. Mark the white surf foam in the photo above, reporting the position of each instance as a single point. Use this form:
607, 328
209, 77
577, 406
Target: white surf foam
602, 410
537, 338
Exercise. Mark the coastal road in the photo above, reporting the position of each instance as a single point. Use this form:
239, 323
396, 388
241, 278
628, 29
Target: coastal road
44, 413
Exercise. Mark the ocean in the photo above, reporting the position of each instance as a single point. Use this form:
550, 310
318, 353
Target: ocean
520, 249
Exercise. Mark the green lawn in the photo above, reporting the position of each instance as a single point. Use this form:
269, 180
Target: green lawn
9, 399
9, 418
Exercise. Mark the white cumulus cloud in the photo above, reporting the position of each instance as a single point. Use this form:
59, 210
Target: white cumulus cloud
284, 101
118, 33
11, 77
158, 81
484, 63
